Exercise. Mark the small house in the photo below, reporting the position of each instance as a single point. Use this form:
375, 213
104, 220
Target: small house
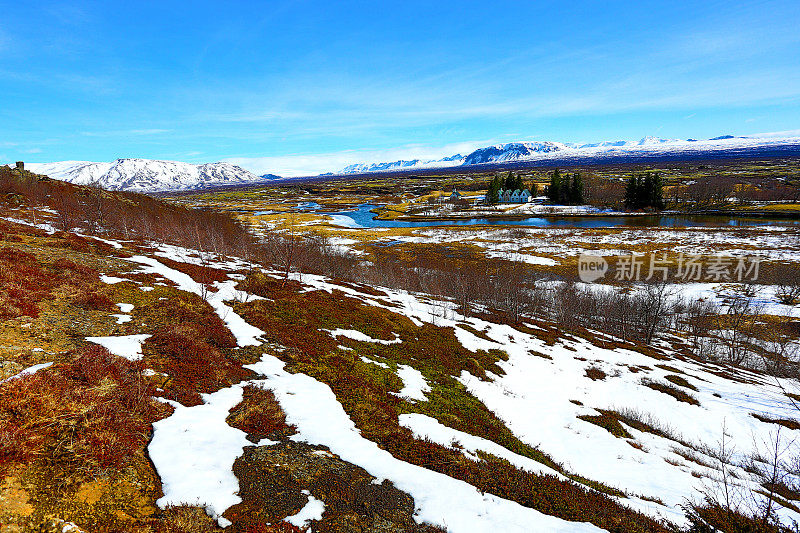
455, 196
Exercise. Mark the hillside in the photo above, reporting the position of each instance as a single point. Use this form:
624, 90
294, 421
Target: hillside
182, 376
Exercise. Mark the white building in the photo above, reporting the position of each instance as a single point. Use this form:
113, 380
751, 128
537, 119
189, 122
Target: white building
512, 197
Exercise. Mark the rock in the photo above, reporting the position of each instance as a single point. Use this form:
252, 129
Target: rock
272, 478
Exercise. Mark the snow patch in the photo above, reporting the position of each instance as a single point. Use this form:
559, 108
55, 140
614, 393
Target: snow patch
193, 451
414, 384
360, 337
28, 371
127, 346
311, 511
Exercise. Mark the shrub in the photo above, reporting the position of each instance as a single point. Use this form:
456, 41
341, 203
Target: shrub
259, 415
193, 365
595, 373
679, 381
92, 413
710, 518
95, 301
609, 422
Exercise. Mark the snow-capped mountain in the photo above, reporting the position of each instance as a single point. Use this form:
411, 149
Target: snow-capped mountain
146, 175
510, 152
270, 177
646, 148
363, 168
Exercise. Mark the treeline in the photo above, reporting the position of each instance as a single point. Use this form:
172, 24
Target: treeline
566, 189
511, 290
718, 191
645, 190
511, 182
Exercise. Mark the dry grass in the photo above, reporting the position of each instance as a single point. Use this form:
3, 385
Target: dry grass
91, 414
260, 416
785, 422
675, 392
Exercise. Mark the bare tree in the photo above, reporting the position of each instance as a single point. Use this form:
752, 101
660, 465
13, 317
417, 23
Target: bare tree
654, 303
788, 284
739, 315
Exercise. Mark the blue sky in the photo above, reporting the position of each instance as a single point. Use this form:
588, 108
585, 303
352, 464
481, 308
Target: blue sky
301, 87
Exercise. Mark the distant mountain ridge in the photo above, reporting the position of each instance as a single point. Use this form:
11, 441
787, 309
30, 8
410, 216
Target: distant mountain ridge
147, 175
362, 168
542, 151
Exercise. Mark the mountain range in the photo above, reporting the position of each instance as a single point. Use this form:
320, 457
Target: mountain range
145, 175
648, 147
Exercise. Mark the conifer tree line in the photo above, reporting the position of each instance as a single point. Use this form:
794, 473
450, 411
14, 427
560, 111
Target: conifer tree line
565, 189
510, 182
645, 190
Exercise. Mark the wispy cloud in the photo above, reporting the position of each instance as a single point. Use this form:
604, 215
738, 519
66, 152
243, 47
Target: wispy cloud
122, 133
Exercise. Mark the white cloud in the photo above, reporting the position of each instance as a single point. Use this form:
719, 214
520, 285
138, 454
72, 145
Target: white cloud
123, 133
778, 134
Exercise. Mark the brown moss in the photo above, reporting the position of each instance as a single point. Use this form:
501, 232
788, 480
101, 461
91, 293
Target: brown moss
679, 381
595, 373
260, 415
675, 392
785, 422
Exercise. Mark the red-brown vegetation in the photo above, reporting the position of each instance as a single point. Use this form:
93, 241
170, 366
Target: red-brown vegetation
200, 273
259, 415
89, 414
25, 281
190, 345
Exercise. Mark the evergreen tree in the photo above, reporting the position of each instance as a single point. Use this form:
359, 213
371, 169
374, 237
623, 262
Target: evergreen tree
553, 191
509, 181
645, 191
657, 197
494, 189
576, 190
563, 191
631, 193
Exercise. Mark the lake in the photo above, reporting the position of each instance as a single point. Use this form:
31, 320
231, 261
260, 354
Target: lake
364, 218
